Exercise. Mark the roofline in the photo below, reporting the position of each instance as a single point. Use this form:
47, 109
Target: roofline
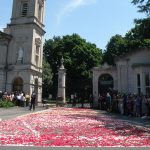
130, 53
5, 36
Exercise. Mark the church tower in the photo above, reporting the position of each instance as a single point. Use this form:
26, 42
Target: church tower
25, 50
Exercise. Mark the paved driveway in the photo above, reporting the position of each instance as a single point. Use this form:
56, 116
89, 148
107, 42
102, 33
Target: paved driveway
10, 113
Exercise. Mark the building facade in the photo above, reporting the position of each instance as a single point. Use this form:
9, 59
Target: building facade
131, 74
21, 48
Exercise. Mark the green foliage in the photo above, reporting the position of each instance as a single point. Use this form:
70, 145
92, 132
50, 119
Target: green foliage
47, 77
79, 58
140, 31
115, 47
143, 5
138, 37
6, 103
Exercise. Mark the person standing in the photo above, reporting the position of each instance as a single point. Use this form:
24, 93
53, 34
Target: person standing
138, 104
125, 98
91, 101
33, 99
108, 102
27, 97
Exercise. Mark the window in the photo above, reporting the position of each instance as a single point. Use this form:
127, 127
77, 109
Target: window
138, 80
147, 84
147, 80
24, 9
39, 12
138, 84
37, 55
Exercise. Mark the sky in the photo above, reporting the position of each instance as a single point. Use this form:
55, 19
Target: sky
94, 20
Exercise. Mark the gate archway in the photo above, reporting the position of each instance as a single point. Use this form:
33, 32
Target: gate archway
105, 83
104, 78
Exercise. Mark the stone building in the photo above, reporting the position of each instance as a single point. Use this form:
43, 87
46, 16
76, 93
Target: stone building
21, 48
131, 74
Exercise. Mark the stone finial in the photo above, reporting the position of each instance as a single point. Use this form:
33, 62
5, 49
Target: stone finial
62, 63
105, 65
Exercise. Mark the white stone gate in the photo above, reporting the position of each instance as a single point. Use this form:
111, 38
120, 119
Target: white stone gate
99, 71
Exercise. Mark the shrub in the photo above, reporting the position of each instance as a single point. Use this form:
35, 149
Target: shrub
6, 103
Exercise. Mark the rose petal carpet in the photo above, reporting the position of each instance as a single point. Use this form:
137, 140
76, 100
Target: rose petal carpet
73, 127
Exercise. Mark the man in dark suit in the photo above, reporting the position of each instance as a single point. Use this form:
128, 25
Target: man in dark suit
33, 99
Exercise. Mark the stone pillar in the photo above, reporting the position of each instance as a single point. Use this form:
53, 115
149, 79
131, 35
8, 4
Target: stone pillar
95, 89
61, 83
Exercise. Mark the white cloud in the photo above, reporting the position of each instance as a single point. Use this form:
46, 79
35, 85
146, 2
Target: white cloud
71, 6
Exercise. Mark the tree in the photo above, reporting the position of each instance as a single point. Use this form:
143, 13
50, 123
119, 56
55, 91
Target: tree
47, 78
79, 58
137, 37
143, 5
141, 30
116, 46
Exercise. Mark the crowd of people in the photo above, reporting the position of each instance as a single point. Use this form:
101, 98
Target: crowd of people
126, 104
112, 101
20, 99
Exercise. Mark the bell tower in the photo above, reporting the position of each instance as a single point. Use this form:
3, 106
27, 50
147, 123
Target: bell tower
26, 47
28, 11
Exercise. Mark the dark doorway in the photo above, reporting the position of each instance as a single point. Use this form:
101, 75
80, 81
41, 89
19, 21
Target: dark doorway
36, 90
17, 84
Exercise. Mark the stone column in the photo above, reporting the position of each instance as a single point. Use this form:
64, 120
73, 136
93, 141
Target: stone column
61, 83
95, 88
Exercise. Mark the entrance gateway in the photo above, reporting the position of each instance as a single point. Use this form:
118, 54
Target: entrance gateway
21, 48
131, 74
104, 79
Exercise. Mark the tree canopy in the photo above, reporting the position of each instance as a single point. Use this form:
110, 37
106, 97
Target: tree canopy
79, 56
47, 77
115, 47
141, 30
137, 37
143, 5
